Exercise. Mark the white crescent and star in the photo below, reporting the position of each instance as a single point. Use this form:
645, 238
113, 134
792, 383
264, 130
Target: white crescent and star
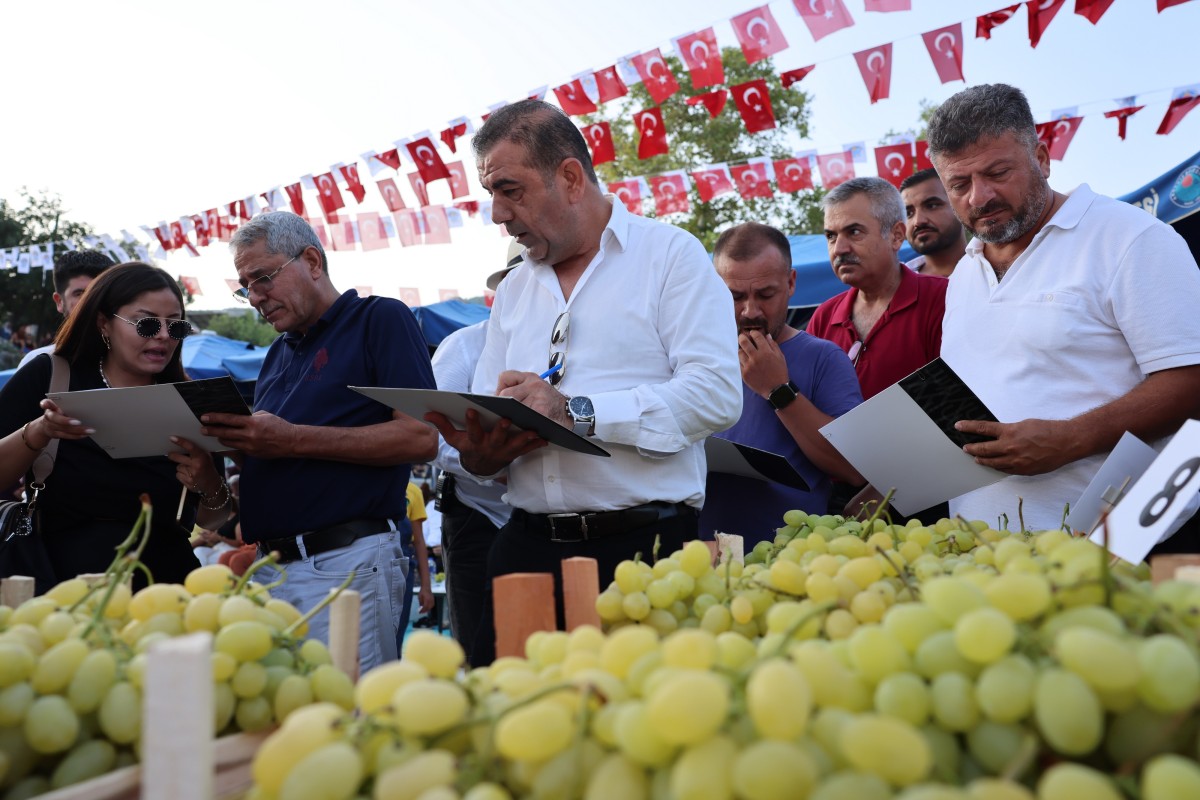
1046, 4
650, 68
703, 46
1061, 127
759, 22
788, 170
650, 118
937, 43
871, 60
597, 134
326, 185
887, 162
837, 166
427, 159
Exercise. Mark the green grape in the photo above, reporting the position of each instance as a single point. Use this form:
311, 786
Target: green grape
684, 583
21, 758
629, 577
567, 774
939, 654
788, 576
158, 598
636, 606
931, 792
704, 771
86, 761
16, 663
734, 650
493, 791
224, 706
120, 713
609, 606
954, 705
875, 654
253, 714
51, 725
331, 685
742, 609
56, 626
840, 624
904, 696
695, 559
950, 598
32, 612
1170, 675
911, 624
1067, 712
827, 677
868, 606
852, 785
773, 770
947, 756
331, 772
14, 704
1137, 735
440, 655
886, 747
1098, 617
534, 732
29, 787
305, 730
68, 593
661, 593
1020, 595
778, 700
616, 777
428, 706
314, 653
1005, 689
1067, 781
984, 635
637, 739
92, 680
407, 781
249, 680
294, 692
717, 619
57, 666
690, 649
1104, 661
210, 579
995, 745
238, 608
624, 647
1170, 777
863, 570
688, 707
997, 789
202, 613
245, 640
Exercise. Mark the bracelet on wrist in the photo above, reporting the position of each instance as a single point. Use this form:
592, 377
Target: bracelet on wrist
210, 501
25, 439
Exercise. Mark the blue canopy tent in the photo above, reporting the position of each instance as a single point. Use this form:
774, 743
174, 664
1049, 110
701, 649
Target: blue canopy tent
815, 281
1174, 197
203, 355
439, 320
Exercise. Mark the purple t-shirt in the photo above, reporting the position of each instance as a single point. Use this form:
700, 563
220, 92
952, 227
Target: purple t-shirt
753, 508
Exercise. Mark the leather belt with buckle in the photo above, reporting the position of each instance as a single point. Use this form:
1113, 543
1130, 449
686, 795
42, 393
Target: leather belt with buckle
599, 524
324, 540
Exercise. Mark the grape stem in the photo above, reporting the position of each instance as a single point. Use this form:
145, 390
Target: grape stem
798, 625
869, 524
1021, 761
902, 572
270, 558
118, 570
312, 612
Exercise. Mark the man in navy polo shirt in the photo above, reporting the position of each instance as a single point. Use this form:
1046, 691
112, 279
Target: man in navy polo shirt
325, 468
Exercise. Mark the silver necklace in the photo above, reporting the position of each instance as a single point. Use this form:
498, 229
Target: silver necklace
104, 377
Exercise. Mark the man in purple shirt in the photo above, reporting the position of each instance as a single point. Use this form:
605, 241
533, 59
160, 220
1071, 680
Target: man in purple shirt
792, 385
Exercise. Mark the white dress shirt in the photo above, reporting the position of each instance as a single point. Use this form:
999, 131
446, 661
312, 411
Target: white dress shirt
652, 342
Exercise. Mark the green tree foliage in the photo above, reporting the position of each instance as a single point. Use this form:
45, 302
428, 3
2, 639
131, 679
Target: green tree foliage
918, 132
697, 140
245, 327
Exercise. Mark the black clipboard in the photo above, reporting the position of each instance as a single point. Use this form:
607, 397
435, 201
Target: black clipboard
945, 398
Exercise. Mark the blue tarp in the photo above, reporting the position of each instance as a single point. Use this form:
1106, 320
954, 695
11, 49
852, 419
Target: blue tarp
815, 281
204, 355
439, 320
1173, 195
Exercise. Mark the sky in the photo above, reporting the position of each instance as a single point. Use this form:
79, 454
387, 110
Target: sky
136, 111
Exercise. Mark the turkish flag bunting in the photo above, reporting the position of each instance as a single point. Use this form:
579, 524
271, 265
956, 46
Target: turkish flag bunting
889, 5
1122, 115
629, 193
876, 68
341, 233
407, 226
410, 297
1092, 10
923, 161
350, 174
419, 188
191, 285
753, 101
1168, 3
793, 174
329, 195
450, 136
319, 230
212, 223
469, 206
371, 232
437, 225
714, 101
836, 168
758, 33
1058, 134
795, 75
391, 195
751, 180
599, 139
670, 194
609, 84
894, 162
712, 183
391, 158
179, 239
428, 162
1040, 14
573, 99
945, 46
1178, 109
703, 58
656, 75
823, 17
238, 209
985, 22
458, 180
201, 228
654, 136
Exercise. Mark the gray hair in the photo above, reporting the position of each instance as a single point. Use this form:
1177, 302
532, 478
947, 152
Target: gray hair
981, 112
887, 207
283, 231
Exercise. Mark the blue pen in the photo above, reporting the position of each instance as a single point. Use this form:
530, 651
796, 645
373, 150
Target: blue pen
550, 371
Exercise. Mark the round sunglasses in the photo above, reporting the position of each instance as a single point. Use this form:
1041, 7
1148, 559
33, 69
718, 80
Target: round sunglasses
148, 327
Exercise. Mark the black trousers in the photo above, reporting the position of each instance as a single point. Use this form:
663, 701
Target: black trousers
519, 549
467, 537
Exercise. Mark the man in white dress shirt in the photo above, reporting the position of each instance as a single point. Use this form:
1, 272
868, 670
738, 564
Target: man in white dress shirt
642, 331
1073, 316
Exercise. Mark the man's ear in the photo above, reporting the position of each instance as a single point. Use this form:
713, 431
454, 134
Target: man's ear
58, 302
571, 171
898, 235
312, 259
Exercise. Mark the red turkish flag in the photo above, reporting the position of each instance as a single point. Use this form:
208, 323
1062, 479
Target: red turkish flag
341, 233
447, 294
712, 183
573, 99
823, 17
238, 209
200, 226
418, 187
884, 6
371, 233
350, 175
609, 84
410, 297
450, 136
1178, 109
469, 206
793, 174
670, 194
656, 75
836, 168
894, 162
391, 158
795, 75
753, 101
1168, 3
212, 224
319, 230
702, 56
751, 180
179, 240
758, 33
629, 193
328, 194
923, 161
191, 285
458, 180
714, 101
1092, 10
428, 162
1121, 115
408, 227
1058, 134
945, 46
391, 194
437, 225
599, 139
653, 141
1040, 14
876, 68
984, 23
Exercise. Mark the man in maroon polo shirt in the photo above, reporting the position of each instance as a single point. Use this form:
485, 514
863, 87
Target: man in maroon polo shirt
889, 322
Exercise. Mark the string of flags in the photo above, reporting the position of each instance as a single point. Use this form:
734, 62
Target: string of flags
321, 198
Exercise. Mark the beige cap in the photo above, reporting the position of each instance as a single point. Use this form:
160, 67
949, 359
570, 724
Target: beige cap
516, 254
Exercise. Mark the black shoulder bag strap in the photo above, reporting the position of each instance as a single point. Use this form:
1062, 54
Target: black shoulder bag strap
43, 465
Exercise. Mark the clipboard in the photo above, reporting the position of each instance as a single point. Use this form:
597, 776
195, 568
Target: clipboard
417, 403
732, 458
946, 399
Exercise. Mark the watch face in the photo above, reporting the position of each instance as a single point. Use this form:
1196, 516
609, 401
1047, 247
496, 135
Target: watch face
581, 407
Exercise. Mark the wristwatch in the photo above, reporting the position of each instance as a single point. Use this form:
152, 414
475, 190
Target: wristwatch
581, 412
783, 395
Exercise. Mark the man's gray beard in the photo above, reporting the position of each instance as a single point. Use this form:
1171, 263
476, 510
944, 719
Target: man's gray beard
1021, 223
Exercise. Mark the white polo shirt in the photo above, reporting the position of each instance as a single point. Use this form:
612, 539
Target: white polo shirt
1104, 295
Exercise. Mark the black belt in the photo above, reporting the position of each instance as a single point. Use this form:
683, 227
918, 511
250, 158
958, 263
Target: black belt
598, 524
324, 540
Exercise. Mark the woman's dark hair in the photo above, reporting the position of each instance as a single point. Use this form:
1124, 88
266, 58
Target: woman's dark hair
79, 339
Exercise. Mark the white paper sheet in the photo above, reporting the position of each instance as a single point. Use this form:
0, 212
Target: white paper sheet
1124, 465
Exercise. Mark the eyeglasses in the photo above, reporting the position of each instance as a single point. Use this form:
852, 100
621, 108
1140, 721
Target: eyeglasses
558, 347
856, 351
263, 282
148, 327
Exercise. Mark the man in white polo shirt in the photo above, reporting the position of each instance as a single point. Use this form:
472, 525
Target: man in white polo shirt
1073, 316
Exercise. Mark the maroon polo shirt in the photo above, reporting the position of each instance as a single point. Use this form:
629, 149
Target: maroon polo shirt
906, 337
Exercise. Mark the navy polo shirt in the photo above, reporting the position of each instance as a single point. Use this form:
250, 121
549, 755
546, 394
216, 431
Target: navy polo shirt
357, 342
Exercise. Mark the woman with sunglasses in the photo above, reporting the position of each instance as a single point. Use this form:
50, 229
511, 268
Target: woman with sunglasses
125, 331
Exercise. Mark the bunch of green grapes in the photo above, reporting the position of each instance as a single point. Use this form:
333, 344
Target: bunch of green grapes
72, 664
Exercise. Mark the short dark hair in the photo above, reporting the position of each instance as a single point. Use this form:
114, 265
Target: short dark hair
543, 131
981, 112
919, 177
745, 241
73, 263
79, 339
